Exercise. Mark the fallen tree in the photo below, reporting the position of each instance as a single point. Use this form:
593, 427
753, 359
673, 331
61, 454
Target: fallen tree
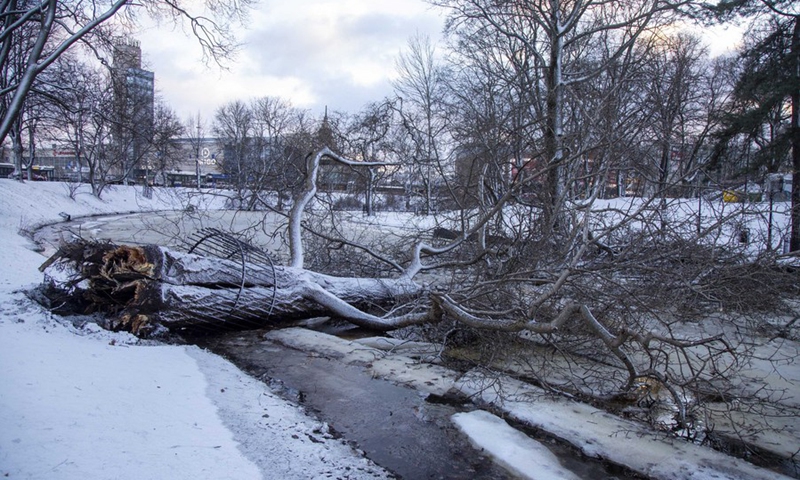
605, 309
145, 289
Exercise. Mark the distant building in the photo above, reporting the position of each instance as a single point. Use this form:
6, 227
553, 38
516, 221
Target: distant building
134, 99
334, 176
63, 161
196, 157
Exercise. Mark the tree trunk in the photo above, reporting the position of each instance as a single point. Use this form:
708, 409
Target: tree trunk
16, 148
794, 242
147, 289
553, 134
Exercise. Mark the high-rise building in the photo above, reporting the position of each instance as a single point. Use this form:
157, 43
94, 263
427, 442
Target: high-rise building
134, 96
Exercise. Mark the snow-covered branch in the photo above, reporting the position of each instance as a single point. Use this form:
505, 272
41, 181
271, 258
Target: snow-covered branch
308, 193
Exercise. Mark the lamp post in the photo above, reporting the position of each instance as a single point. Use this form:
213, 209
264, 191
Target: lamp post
197, 158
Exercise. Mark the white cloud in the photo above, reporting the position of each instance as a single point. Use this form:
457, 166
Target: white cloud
311, 52
314, 53
723, 39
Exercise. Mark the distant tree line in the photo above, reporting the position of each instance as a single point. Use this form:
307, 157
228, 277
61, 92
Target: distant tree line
577, 99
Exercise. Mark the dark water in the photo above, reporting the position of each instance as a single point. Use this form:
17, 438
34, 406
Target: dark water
395, 426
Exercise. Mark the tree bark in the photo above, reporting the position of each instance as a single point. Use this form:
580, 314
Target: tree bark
794, 241
147, 289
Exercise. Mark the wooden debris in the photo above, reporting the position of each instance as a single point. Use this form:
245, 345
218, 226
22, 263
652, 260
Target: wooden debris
146, 289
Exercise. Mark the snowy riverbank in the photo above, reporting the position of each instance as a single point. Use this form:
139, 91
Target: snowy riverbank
87, 403
83, 403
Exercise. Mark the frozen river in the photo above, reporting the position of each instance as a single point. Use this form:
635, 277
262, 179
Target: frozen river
170, 229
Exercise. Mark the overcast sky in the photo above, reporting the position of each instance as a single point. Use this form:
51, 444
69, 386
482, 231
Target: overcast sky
339, 53
314, 53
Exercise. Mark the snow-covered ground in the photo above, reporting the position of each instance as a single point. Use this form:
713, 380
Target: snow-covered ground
85, 403
80, 402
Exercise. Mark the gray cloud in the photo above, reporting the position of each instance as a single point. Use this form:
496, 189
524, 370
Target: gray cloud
297, 47
342, 58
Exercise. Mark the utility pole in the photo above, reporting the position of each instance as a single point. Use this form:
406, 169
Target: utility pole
197, 158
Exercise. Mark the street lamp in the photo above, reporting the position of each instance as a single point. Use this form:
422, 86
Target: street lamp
197, 158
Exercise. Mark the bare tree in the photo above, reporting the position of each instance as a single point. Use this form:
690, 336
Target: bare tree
546, 43
609, 116
12, 64
79, 112
233, 127
75, 86
195, 131
164, 152
369, 134
277, 159
265, 142
97, 141
674, 99
421, 90
485, 122
50, 28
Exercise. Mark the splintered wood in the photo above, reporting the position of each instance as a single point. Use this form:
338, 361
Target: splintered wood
143, 289
149, 289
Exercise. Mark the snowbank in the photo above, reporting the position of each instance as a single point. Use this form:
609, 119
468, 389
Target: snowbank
603, 435
595, 432
78, 403
520, 454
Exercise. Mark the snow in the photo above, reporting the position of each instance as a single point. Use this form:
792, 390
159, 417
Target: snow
595, 432
80, 402
74, 406
400, 368
523, 456
600, 434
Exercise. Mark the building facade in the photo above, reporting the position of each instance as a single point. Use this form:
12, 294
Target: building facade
134, 101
